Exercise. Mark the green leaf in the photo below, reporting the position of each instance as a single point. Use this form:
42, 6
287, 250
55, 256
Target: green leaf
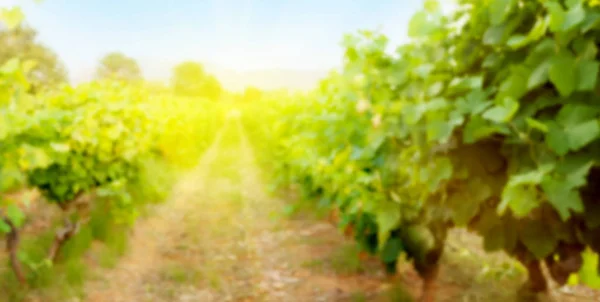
572, 3
432, 6
494, 35
586, 49
436, 104
392, 249
539, 75
557, 16
465, 203
539, 29
424, 70
562, 74
497, 114
562, 198
11, 66
439, 169
413, 113
488, 220
60, 147
573, 17
504, 112
588, 274
435, 89
517, 41
531, 177
587, 75
573, 114
592, 21
535, 124
478, 128
11, 17
15, 215
581, 135
420, 25
439, 131
575, 170
34, 158
557, 139
520, 199
499, 10
491, 61
474, 103
538, 238
441, 125
515, 86
387, 218
520, 193
562, 186
4, 227
501, 236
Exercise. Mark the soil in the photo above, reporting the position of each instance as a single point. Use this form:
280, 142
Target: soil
222, 237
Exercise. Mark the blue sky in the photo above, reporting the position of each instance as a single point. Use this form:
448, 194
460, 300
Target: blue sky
233, 34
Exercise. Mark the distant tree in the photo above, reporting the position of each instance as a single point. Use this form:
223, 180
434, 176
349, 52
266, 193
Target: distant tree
252, 94
20, 42
118, 66
190, 79
211, 88
187, 79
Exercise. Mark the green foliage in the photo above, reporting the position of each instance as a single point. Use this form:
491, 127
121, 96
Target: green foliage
102, 143
11, 17
251, 94
89, 139
488, 119
118, 66
189, 125
190, 79
19, 41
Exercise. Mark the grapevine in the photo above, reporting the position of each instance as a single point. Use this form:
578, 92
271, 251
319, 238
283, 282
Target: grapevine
88, 147
486, 120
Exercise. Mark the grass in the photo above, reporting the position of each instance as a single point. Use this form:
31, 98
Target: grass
358, 297
102, 242
56, 282
180, 273
209, 234
344, 260
64, 279
225, 199
214, 279
399, 293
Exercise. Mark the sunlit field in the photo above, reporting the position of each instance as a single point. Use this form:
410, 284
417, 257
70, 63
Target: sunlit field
462, 164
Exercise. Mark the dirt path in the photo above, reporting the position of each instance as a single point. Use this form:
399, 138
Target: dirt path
220, 237
153, 241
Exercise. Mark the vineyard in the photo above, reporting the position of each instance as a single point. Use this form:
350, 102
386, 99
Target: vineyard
464, 166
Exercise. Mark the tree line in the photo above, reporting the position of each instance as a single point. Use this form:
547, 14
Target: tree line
188, 78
